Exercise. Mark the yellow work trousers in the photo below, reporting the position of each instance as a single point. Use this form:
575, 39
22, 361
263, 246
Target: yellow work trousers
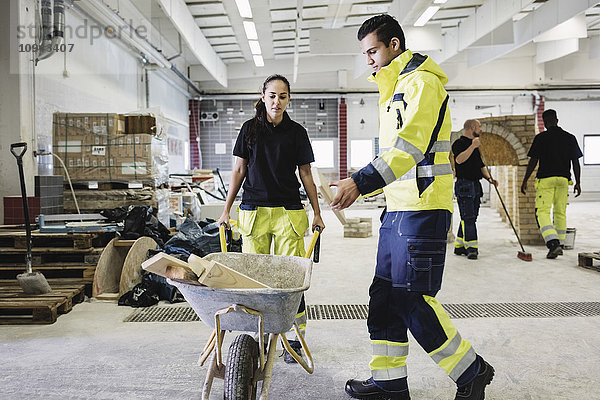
551, 207
277, 227
273, 226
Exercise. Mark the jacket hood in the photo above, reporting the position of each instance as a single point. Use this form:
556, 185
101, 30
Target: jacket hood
405, 63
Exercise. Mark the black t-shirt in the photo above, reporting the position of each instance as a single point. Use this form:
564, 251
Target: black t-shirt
272, 160
555, 149
470, 169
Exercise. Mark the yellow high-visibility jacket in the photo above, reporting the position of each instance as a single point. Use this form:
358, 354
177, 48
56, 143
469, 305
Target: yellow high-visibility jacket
413, 165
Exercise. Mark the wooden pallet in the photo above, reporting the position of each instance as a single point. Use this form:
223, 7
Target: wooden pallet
110, 185
18, 308
18, 240
586, 260
53, 262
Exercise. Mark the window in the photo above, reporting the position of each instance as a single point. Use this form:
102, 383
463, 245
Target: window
361, 153
323, 150
591, 149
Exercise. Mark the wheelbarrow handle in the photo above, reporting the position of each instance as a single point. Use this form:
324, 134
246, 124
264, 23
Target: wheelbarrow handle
223, 238
14, 146
313, 242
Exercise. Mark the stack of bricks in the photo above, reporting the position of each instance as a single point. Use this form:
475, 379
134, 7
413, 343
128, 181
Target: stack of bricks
50, 191
13, 209
358, 227
505, 142
48, 200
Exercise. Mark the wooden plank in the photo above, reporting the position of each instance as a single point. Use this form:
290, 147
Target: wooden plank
327, 193
218, 275
171, 267
209, 273
123, 243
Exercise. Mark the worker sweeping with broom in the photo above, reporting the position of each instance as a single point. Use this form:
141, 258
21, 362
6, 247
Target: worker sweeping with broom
470, 169
269, 149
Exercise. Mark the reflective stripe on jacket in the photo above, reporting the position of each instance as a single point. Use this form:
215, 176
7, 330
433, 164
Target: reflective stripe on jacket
413, 167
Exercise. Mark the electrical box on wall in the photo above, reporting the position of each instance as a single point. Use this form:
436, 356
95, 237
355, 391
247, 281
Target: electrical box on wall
209, 116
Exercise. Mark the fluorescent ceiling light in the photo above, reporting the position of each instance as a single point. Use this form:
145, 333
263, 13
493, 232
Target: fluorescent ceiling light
244, 8
250, 29
258, 61
254, 46
440, 1
426, 16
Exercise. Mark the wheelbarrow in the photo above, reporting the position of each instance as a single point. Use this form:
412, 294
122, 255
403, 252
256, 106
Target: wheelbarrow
263, 311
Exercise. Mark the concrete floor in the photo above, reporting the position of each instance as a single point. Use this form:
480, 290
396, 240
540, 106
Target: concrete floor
90, 353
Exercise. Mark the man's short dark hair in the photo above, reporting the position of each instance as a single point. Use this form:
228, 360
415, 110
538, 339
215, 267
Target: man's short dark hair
385, 26
549, 117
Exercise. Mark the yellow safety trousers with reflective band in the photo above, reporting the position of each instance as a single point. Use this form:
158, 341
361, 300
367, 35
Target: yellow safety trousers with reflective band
456, 355
277, 227
551, 197
388, 360
414, 134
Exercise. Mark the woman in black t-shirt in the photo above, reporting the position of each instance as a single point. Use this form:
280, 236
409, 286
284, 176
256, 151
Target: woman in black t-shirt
269, 148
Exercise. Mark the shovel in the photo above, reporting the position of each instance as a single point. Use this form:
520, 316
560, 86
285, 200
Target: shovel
31, 282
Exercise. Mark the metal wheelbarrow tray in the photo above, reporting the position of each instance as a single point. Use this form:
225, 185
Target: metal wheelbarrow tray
265, 310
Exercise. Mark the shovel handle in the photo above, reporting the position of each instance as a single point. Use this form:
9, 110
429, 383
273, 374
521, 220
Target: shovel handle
14, 146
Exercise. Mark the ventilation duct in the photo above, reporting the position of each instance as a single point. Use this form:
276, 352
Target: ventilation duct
51, 36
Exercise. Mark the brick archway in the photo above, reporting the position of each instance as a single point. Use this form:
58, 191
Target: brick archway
505, 142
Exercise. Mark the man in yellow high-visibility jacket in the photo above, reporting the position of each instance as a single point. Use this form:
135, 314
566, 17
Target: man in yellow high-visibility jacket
557, 151
413, 169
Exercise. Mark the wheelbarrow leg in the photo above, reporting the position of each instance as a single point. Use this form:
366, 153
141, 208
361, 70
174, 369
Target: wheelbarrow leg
215, 370
307, 365
268, 371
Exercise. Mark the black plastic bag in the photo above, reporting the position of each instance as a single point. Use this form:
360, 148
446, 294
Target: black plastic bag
144, 294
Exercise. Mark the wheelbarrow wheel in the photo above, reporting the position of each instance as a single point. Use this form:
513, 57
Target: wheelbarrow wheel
242, 364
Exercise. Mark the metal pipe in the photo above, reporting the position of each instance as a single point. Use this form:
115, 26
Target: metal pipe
45, 46
185, 79
55, 37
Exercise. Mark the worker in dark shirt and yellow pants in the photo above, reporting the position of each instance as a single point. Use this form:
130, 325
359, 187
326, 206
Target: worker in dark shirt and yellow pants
469, 171
556, 150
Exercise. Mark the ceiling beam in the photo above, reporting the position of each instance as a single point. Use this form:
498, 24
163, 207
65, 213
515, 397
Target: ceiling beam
543, 19
179, 14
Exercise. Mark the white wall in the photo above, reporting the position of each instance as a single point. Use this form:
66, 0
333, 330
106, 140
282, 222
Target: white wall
580, 117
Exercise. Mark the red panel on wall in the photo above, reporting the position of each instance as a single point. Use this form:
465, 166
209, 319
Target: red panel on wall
343, 139
194, 114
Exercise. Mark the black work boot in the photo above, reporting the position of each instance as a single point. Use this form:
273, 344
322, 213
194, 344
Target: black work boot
460, 251
472, 254
554, 249
475, 390
297, 347
368, 391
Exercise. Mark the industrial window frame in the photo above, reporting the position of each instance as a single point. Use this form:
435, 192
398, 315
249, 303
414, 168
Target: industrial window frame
595, 149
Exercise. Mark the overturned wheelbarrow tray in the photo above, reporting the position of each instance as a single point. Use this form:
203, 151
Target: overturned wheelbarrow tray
265, 310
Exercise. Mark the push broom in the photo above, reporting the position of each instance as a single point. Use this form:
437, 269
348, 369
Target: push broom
523, 255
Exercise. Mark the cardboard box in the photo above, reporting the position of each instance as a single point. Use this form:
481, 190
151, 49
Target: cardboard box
95, 147
140, 124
